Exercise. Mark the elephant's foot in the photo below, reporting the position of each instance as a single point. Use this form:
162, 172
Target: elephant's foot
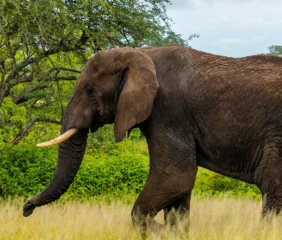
147, 227
145, 223
178, 220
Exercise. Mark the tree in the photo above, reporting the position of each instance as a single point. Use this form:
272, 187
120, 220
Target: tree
43, 44
275, 50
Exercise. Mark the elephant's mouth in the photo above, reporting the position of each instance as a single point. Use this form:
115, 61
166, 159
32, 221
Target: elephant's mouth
99, 121
94, 127
96, 123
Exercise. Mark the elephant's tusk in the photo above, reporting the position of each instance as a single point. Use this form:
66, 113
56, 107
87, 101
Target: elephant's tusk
59, 139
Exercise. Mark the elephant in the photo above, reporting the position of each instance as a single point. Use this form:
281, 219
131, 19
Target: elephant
194, 109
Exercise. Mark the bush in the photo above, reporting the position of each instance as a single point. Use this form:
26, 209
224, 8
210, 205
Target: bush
27, 170
212, 184
115, 177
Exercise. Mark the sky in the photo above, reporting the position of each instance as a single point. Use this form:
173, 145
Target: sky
234, 28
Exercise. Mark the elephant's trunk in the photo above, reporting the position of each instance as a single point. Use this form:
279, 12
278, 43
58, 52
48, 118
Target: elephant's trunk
70, 156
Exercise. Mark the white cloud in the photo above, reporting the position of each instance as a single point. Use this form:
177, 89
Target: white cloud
238, 41
241, 27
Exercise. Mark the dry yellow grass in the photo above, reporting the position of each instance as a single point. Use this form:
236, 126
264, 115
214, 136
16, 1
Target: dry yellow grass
218, 219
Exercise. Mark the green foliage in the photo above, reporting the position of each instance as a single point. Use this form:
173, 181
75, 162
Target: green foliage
13, 118
115, 177
212, 184
26, 170
275, 50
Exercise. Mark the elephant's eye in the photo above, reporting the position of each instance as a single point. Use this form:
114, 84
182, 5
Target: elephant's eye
90, 91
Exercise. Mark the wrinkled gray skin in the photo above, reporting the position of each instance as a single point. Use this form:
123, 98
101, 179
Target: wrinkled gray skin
195, 109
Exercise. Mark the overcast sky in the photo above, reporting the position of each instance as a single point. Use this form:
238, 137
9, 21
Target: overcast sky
233, 28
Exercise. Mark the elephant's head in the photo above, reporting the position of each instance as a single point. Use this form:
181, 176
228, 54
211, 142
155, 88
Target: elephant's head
116, 86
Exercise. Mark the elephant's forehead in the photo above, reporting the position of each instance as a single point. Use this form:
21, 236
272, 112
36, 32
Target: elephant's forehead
104, 58
106, 61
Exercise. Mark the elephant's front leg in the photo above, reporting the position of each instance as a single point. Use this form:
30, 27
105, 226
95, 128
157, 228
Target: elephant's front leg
171, 178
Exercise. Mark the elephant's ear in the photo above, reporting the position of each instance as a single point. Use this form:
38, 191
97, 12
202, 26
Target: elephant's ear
136, 89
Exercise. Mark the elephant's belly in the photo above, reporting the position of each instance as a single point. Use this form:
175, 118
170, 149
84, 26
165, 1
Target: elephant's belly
227, 168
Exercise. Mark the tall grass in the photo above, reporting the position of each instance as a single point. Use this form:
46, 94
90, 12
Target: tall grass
211, 218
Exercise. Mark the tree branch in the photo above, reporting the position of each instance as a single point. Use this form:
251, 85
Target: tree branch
2, 70
66, 78
46, 78
24, 97
58, 69
24, 79
36, 59
29, 125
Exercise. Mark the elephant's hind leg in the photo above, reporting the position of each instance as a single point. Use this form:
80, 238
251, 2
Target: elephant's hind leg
171, 179
178, 211
268, 177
